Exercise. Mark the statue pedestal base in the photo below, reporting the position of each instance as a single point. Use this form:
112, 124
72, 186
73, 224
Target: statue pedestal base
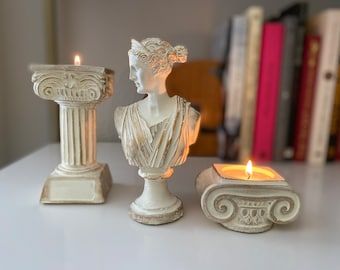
87, 186
156, 205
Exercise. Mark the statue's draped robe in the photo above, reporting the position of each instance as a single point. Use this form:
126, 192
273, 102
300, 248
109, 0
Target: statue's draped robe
161, 146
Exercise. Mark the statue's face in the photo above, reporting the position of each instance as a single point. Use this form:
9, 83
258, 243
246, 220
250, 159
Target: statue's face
141, 74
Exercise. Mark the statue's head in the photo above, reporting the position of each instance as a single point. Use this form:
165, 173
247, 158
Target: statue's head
151, 61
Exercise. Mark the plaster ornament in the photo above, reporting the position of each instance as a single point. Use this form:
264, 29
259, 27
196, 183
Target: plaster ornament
244, 205
156, 132
77, 90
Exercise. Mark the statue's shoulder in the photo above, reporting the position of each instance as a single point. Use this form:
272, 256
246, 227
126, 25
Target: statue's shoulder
120, 110
194, 120
195, 123
192, 113
119, 117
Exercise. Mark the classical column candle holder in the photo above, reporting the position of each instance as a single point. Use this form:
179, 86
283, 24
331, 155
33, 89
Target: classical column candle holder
246, 202
77, 89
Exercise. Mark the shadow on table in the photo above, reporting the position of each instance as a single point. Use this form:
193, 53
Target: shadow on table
121, 193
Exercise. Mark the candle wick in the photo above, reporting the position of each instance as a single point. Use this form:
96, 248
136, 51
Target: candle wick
248, 176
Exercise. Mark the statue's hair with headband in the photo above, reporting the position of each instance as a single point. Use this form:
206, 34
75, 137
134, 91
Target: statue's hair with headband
157, 53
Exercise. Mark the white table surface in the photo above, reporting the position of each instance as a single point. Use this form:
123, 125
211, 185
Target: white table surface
35, 236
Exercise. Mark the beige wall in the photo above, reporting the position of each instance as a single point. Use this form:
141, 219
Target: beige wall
101, 31
26, 119
3, 150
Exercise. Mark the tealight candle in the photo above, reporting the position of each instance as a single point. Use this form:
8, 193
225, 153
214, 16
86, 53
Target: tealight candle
246, 198
247, 172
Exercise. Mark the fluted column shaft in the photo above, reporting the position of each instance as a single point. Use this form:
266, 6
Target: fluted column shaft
77, 136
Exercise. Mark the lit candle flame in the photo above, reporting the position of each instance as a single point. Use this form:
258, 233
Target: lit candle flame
77, 61
249, 168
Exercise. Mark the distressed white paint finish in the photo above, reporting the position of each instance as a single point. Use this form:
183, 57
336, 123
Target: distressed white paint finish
77, 90
157, 131
246, 206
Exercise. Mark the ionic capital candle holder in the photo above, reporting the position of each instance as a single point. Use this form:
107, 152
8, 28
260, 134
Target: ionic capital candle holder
246, 205
77, 90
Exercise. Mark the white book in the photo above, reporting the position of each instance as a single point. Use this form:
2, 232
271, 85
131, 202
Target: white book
327, 25
254, 16
234, 75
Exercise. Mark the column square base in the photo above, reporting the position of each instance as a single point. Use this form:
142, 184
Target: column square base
89, 187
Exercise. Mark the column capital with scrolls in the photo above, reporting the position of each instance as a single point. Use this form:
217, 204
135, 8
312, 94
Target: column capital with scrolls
72, 84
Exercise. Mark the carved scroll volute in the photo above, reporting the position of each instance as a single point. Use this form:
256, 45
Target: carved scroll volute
222, 204
217, 205
72, 85
285, 208
108, 88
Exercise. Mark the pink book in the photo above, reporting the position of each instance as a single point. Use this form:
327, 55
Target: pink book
268, 91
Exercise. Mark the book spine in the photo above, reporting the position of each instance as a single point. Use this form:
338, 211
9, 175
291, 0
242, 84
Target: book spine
300, 12
254, 21
335, 122
286, 88
328, 26
306, 93
337, 153
268, 90
235, 84
289, 152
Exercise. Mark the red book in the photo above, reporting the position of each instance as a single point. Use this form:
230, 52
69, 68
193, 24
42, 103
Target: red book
306, 93
268, 90
336, 118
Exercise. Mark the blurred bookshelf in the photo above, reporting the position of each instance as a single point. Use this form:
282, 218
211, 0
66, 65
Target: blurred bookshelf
280, 78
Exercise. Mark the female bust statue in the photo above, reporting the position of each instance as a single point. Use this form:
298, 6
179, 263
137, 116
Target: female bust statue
156, 132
